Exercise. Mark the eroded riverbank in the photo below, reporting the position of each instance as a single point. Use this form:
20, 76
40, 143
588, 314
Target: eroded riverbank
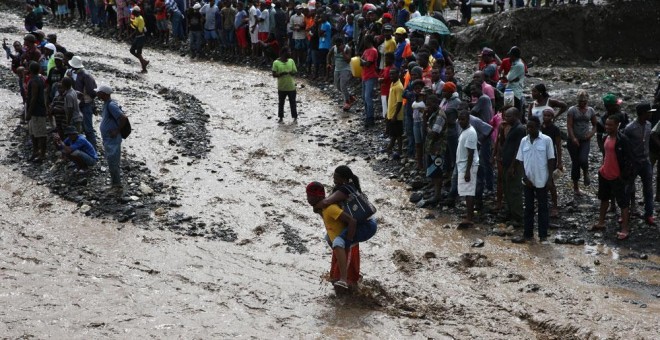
66, 275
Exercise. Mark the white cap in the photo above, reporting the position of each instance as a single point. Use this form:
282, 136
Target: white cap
197, 6
76, 62
105, 89
51, 47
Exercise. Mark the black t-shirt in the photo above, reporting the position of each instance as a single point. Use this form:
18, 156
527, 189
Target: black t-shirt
195, 21
512, 143
553, 132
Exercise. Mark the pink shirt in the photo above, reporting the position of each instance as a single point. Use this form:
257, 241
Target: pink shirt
610, 168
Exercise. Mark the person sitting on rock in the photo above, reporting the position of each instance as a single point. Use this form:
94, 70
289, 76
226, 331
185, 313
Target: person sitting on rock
76, 148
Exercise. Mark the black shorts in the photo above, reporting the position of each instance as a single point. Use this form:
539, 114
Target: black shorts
138, 44
394, 128
614, 189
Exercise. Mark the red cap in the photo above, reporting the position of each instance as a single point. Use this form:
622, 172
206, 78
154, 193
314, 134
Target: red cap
387, 16
315, 189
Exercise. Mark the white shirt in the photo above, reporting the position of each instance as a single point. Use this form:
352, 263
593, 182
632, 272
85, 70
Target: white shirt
253, 16
467, 140
535, 158
264, 26
298, 20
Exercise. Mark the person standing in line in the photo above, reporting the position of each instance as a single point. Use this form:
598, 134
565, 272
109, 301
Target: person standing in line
283, 69
516, 78
578, 119
112, 122
36, 112
369, 78
512, 172
639, 135
551, 130
611, 176
537, 155
139, 39
467, 165
84, 83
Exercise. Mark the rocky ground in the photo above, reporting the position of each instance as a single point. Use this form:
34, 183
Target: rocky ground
242, 181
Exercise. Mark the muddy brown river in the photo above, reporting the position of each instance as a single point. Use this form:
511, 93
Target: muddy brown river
67, 276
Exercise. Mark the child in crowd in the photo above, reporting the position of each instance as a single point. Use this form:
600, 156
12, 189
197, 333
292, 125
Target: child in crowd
418, 107
385, 81
549, 129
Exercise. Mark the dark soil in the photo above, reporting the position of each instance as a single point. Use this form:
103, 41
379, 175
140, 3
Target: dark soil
622, 31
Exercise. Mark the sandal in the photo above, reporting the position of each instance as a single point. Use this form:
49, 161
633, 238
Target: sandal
341, 283
621, 235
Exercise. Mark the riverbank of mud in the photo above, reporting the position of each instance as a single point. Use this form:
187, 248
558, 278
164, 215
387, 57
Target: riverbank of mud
69, 274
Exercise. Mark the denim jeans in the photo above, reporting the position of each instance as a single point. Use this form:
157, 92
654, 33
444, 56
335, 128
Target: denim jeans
367, 97
579, 158
87, 159
178, 31
196, 39
292, 103
363, 232
112, 147
485, 174
91, 4
541, 195
227, 38
409, 131
645, 171
450, 153
87, 110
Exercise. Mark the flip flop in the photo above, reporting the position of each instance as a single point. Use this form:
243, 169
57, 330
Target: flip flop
341, 284
622, 235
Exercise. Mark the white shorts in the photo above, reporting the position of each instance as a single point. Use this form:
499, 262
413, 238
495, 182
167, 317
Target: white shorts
468, 188
254, 35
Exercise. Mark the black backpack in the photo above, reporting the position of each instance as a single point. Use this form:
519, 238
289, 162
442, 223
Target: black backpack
126, 130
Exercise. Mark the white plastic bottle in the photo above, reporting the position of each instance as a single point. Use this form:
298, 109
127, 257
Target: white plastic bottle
509, 98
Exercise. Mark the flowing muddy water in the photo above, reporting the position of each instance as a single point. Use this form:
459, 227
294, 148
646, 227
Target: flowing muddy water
64, 275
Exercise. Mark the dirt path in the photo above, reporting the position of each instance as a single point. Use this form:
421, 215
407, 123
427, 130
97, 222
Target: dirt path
64, 275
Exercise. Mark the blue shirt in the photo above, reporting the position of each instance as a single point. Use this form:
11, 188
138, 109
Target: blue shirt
402, 17
83, 145
238, 21
325, 40
348, 32
110, 121
398, 54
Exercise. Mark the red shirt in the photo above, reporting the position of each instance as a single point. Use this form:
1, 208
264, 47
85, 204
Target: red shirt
387, 82
369, 72
610, 168
161, 13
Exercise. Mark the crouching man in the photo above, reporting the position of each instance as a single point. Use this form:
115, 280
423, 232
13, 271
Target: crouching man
76, 148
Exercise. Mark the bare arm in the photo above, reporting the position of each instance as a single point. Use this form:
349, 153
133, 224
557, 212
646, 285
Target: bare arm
569, 129
558, 150
469, 164
558, 104
351, 223
334, 198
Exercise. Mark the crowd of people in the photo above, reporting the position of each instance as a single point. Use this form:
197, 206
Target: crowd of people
471, 138
59, 97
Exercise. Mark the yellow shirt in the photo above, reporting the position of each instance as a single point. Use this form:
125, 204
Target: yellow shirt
138, 24
390, 45
396, 96
333, 225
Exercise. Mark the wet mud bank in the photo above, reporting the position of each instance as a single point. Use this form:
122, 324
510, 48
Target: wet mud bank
422, 278
621, 32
